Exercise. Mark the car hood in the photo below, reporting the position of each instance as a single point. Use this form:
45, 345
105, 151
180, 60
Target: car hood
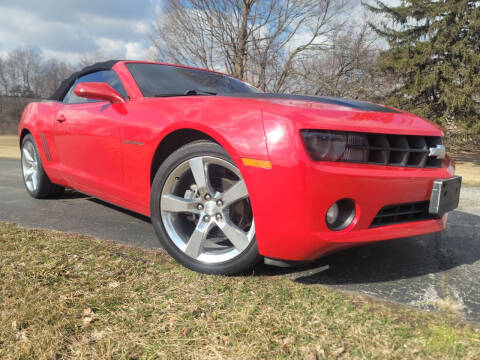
330, 113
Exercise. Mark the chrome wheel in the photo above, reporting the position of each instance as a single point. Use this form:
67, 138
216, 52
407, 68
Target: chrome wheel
206, 211
30, 166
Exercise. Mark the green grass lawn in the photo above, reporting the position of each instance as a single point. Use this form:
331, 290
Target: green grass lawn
71, 296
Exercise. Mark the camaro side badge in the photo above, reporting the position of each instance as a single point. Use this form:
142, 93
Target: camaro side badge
438, 151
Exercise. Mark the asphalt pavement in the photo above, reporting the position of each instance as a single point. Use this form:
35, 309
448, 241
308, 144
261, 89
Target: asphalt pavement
433, 271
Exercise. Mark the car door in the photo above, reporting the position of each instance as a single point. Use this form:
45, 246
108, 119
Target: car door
88, 139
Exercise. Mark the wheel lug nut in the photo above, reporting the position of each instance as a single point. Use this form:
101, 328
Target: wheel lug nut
218, 216
200, 207
219, 203
206, 218
208, 197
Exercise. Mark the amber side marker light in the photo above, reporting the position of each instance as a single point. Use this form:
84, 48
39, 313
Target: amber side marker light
265, 164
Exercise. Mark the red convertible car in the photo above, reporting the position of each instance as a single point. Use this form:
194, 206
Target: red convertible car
230, 175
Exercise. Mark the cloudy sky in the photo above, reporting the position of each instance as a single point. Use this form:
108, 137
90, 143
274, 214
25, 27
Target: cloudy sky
70, 29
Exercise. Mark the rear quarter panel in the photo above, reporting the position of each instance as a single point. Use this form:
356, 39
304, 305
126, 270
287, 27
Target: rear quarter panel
38, 119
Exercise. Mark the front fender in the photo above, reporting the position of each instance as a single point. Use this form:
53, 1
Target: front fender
238, 130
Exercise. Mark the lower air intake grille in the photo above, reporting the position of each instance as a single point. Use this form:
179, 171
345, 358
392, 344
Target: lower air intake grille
396, 214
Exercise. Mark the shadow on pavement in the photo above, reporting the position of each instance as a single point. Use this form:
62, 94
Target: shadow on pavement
396, 259
72, 194
120, 209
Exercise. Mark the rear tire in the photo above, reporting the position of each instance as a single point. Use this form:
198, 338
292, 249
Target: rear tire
197, 220
35, 179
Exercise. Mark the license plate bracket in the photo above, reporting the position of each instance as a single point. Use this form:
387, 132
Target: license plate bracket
445, 195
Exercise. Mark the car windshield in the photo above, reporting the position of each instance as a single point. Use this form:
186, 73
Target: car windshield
168, 80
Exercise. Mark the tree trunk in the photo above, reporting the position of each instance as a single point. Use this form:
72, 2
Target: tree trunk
241, 51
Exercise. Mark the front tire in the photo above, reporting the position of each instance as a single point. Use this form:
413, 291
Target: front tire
201, 211
36, 181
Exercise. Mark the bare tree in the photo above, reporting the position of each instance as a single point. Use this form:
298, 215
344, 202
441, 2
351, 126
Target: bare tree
50, 75
25, 73
91, 58
22, 65
4, 81
254, 40
348, 68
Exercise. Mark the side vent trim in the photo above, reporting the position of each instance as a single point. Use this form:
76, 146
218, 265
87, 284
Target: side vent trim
46, 149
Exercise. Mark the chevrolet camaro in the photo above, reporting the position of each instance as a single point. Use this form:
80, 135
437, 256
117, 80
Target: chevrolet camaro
230, 175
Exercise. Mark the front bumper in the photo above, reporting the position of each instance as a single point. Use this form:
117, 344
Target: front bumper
290, 202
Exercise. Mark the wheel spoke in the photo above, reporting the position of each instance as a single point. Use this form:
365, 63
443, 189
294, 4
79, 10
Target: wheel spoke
34, 181
172, 203
28, 156
28, 173
199, 171
236, 192
236, 235
197, 239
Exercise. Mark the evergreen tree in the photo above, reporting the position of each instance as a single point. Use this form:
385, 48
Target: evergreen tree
434, 52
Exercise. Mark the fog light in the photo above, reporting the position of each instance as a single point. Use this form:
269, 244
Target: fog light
332, 214
340, 215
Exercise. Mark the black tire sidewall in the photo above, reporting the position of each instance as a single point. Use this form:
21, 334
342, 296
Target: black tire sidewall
241, 263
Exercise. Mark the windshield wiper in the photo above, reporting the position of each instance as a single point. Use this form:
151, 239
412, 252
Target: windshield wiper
191, 92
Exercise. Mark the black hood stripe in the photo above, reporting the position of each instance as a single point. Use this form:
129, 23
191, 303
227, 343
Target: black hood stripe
353, 104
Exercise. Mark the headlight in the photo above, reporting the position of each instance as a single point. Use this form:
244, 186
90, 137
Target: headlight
324, 145
338, 145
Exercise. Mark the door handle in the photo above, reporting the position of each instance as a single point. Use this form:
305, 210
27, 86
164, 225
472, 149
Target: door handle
61, 118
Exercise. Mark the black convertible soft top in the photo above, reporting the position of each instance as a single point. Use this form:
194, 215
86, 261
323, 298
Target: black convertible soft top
68, 82
107, 65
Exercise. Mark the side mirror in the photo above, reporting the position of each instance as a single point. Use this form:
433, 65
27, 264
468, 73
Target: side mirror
98, 91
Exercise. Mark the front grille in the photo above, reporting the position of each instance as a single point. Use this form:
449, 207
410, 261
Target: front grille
396, 214
394, 150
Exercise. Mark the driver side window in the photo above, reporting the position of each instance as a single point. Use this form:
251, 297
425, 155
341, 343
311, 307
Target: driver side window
107, 76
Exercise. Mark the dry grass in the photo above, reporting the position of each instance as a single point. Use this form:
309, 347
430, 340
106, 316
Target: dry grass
468, 166
9, 147
71, 296
470, 173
